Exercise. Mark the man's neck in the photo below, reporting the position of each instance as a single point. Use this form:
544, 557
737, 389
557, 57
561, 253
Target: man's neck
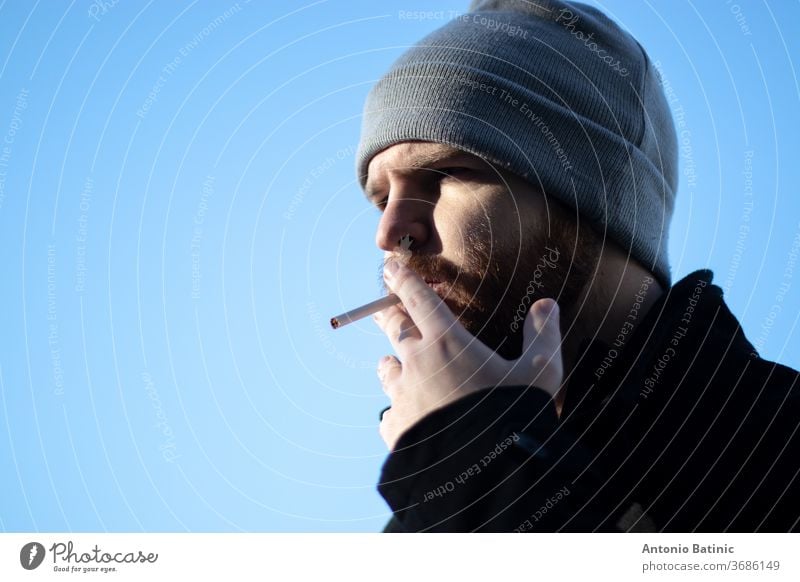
611, 307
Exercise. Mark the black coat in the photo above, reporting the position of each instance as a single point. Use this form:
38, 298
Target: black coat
685, 429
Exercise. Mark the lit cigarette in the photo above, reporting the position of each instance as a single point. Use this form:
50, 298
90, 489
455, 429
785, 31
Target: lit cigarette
402, 253
364, 310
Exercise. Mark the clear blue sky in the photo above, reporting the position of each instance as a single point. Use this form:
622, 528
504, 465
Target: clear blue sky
180, 218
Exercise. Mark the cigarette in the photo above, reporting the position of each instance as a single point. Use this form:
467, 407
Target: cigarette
402, 253
364, 310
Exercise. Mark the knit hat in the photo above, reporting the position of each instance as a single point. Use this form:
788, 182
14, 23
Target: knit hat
556, 93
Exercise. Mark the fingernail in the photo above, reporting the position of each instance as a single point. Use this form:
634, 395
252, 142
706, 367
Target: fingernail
391, 268
551, 309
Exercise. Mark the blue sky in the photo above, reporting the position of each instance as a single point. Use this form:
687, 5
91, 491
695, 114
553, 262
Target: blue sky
180, 218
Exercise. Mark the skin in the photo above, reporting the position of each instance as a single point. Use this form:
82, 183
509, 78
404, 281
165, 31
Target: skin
450, 202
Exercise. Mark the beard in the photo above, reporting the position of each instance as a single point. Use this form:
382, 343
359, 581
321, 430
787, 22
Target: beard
492, 290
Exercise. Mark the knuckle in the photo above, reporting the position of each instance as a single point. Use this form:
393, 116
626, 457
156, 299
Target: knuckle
414, 299
423, 298
400, 281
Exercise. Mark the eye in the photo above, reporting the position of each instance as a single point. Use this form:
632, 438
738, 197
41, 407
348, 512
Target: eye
455, 171
380, 202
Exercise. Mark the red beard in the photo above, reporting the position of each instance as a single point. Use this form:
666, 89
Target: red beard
492, 291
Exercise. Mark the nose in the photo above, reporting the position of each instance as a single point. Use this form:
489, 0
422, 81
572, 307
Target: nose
404, 214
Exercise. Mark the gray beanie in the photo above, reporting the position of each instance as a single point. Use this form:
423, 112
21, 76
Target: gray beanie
556, 93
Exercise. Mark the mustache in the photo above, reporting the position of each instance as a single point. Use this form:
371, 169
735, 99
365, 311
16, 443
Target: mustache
431, 268
464, 283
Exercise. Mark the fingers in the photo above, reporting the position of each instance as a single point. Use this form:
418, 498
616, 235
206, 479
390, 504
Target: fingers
386, 429
398, 327
541, 345
389, 370
427, 310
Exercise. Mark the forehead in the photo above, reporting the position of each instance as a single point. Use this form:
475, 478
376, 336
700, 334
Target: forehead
415, 150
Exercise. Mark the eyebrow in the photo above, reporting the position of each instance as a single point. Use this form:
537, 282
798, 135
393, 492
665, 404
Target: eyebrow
422, 161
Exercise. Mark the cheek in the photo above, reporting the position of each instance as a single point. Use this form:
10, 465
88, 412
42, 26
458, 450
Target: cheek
461, 226
482, 222
502, 225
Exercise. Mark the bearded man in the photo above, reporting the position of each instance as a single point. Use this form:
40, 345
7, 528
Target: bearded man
548, 375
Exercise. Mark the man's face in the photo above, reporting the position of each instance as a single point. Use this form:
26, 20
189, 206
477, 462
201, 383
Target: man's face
489, 243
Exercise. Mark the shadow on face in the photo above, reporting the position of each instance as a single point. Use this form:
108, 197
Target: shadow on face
489, 242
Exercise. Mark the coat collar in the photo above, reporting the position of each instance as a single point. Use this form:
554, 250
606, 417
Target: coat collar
672, 331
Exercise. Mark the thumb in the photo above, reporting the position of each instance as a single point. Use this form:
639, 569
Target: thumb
541, 345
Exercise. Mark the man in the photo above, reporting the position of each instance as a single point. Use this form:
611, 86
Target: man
548, 376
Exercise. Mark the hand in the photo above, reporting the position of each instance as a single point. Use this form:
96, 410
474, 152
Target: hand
440, 361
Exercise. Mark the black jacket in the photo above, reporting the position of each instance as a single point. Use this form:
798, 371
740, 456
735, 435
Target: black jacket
685, 429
